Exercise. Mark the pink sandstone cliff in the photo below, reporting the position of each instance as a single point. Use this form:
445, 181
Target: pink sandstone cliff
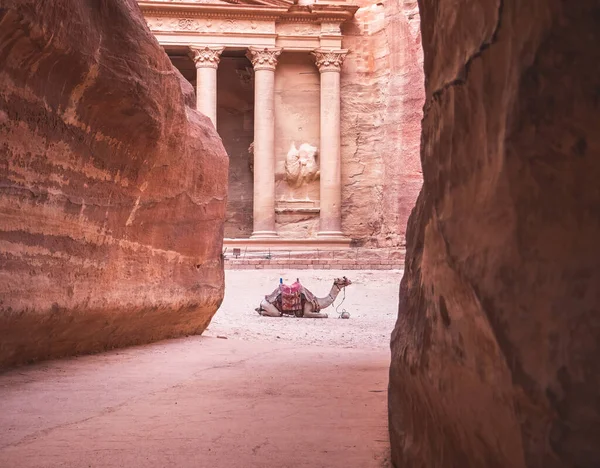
495, 355
112, 189
382, 102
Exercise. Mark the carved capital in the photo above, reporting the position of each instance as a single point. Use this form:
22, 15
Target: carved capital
329, 60
263, 58
205, 56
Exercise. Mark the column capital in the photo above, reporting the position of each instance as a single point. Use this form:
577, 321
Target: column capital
264, 58
329, 60
206, 56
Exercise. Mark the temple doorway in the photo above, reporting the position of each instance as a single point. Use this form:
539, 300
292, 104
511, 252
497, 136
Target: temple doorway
235, 123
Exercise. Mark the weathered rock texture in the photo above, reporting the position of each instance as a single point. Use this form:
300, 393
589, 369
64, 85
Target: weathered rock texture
382, 101
495, 352
112, 190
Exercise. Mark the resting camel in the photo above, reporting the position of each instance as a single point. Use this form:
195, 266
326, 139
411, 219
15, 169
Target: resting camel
299, 301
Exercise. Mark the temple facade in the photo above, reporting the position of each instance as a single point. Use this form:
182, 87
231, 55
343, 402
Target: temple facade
270, 75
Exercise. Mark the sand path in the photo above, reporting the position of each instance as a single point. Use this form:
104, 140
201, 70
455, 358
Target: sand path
275, 393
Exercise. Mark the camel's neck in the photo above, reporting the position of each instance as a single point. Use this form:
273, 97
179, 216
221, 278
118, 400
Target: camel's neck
328, 300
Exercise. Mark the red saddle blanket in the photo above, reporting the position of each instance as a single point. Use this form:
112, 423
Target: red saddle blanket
291, 297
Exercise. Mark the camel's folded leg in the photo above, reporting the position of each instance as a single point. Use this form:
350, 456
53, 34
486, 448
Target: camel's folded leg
308, 313
268, 310
315, 315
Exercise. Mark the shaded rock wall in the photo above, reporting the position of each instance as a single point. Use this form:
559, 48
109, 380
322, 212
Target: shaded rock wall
495, 352
112, 190
382, 101
235, 114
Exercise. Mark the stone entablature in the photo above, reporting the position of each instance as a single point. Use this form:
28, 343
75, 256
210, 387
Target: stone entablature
292, 27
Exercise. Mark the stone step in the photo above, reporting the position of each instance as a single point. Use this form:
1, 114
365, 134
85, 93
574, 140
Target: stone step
349, 259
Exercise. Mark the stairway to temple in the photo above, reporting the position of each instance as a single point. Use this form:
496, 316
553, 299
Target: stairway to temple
350, 258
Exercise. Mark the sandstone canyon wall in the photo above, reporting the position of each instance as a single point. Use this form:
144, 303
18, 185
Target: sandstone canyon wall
495, 352
382, 101
112, 189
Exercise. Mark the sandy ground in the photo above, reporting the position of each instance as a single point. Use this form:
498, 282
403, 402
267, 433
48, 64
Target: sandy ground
278, 392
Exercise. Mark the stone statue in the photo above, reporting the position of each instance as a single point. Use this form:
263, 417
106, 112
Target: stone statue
299, 301
301, 165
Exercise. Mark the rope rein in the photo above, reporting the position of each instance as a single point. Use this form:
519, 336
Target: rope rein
340, 304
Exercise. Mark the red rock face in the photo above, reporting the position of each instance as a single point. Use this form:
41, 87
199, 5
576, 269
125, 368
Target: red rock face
382, 102
495, 356
112, 189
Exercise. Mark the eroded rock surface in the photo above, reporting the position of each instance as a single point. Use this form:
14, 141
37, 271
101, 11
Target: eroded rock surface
112, 189
495, 352
382, 102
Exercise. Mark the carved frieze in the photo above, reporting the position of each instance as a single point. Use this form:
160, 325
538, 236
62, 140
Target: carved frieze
263, 58
329, 60
298, 29
331, 29
205, 56
209, 25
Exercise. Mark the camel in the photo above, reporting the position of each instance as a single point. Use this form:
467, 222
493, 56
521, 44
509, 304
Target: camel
299, 301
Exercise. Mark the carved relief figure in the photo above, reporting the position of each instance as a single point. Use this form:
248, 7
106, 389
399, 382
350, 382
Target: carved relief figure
301, 165
251, 157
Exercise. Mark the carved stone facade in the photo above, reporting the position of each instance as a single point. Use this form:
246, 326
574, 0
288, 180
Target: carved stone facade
281, 24
288, 74
207, 31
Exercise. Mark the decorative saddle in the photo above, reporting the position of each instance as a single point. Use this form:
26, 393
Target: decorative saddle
291, 298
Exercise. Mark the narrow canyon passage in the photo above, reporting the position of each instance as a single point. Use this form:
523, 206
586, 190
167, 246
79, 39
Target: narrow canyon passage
276, 392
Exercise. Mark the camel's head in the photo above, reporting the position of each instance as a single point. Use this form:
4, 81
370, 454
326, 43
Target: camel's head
342, 282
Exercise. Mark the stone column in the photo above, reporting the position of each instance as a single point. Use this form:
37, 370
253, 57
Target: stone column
329, 63
264, 61
207, 61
